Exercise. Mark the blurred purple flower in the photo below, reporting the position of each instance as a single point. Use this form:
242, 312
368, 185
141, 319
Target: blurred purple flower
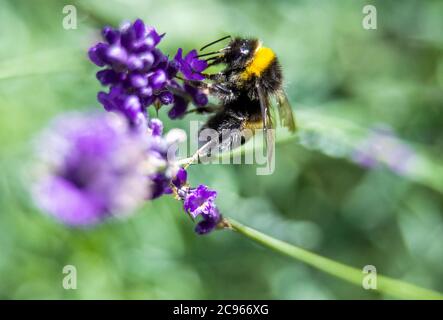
383, 147
94, 167
91, 167
156, 127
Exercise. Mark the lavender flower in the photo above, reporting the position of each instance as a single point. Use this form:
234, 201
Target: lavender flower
199, 98
180, 178
190, 66
209, 222
136, 71
161, 157
181, 103
90, 168
139, 74
179, 109
200, 202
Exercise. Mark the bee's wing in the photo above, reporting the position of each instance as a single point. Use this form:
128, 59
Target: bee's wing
268, 126
285, 112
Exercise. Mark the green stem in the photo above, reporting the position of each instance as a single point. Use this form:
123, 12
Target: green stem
391, 287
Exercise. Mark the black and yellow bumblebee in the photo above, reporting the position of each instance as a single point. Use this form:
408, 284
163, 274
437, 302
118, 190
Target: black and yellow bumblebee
251, 76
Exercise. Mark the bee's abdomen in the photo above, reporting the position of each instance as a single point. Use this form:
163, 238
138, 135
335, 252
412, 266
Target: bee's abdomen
226, 119
228, 125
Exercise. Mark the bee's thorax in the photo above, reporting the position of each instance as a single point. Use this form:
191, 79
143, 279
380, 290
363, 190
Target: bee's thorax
261, 60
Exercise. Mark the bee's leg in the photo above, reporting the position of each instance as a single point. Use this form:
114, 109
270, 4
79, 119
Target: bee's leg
214, 61
220, 90
215, 88
201, 151
209, 108
208, 88
216, 77
228, 126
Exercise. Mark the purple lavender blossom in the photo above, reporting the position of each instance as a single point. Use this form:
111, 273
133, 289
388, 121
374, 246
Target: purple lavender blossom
180, 179
199, 98
209, 223
190, 66
200, 202
90, 168
136, 71
161, 157
191, 94
179, 109
139, 74
383, 147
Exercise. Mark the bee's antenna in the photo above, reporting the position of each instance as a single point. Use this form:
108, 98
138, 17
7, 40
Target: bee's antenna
214, 42
207, 54
212, 58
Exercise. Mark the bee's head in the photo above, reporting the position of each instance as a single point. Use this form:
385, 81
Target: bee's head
240, 51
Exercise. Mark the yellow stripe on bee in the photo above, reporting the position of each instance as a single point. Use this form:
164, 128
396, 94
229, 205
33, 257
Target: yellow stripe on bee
253, 125
261, 60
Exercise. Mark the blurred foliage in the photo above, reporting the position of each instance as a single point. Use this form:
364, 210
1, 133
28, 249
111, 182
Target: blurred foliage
342, 80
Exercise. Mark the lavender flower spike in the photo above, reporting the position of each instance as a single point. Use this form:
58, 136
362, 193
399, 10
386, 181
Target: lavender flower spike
136, 71
139, 74
90, 168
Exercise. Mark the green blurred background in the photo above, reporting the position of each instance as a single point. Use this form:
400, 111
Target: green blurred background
342, 80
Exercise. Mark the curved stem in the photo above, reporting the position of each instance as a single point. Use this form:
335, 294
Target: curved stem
386, 285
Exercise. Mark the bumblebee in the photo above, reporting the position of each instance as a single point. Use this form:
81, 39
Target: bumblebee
251, 77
